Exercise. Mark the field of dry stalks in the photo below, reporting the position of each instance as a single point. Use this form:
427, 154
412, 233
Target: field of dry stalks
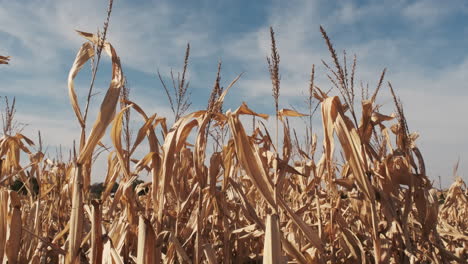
364, 198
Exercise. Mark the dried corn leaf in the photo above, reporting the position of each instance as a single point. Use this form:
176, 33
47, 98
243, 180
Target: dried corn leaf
84, 54
108, 105
4, 59
288, 112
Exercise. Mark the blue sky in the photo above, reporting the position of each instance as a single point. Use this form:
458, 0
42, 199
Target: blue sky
422, 43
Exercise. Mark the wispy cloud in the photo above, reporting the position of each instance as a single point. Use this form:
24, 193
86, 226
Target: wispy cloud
428, 12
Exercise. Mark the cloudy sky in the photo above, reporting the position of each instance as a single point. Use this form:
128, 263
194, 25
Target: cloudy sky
421, 43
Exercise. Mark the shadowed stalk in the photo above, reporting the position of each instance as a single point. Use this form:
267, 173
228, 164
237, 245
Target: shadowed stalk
273, 67
124, 95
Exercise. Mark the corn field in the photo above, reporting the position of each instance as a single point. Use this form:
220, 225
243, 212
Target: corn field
255, 198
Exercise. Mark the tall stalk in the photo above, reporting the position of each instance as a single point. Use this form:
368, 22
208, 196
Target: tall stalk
273, 67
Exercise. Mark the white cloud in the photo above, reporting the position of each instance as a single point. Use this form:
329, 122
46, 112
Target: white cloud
144, 36
427, 12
